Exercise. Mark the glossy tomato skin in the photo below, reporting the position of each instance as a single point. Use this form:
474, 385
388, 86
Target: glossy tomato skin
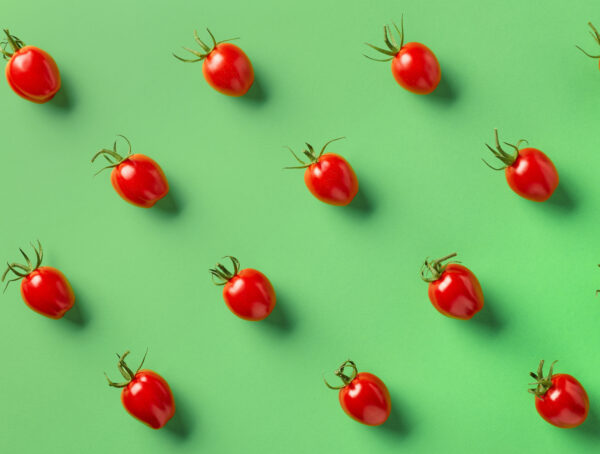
228, 70
250, 295
148, 398
47, 291
457, 293
416, 69
33, 74
565, 404
366, 399
140, 181
532, 175
331, 180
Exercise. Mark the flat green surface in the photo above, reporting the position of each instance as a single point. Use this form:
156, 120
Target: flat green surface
346, 278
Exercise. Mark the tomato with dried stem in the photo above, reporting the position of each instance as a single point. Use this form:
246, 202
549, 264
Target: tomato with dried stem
596, 35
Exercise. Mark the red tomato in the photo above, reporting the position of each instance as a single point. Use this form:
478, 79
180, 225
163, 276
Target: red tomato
146, 395
559, 398
529, 172
248, 293
44, 289
363, 396
453, 289
329, 177
596, 37
138, 179
31, 72
226, 67
414, 65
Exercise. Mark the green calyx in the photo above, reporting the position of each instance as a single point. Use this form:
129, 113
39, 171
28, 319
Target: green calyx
392, 45
20, 270
205, 48
221, 275
12, 41
126, 372
596, 37
542, 384
310, 154
505, 157
340, 372
431, 270
113, 158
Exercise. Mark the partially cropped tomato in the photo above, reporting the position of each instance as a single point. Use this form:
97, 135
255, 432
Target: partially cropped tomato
138, 179
559, 398
363, 396
31, 72
529, 172
414, 66
329, 177
453, 289
44, 289
248, 293
226, 67
596, 37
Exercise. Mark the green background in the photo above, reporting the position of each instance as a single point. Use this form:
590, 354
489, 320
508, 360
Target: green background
346, 278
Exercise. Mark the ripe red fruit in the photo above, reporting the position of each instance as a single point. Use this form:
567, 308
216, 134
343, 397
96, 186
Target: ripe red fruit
31, 72
529, 172
248, 293
329, 177
414, 65
43, 288
596, 37
226, 67
453, 289
559, 398
138, 179
146, 395
363, 396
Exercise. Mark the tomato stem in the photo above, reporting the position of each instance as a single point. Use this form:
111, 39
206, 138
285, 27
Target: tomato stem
542, 384
431, 270
14, 42
222, 274
345, 378
596, 37
390, 42
506, 158
21, 271
310, 154
112, 156
125, 371
207, 50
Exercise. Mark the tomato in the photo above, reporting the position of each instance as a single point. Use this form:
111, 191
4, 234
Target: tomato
31, 72
329, 177
225, 66
363, 396
44, 289
138, 179
414, 66
453, 289
559, 398
596, 37
529, 172
146, 395
248, 293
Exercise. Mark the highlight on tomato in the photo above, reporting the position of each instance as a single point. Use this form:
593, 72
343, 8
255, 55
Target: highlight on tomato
137, 178
247, 293
453, 289
328, 176
363, 396
145, 395
596, 37
44, 289
414, 66
31, 72
529, 172
559, 398
225, 66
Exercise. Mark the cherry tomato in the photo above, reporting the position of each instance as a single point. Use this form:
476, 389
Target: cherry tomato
329, 177
414, 66
248, 293
596, 37
138, 179
226, 67
559, 398
31, 72
363, 396
453, 289
44, 289
529, 172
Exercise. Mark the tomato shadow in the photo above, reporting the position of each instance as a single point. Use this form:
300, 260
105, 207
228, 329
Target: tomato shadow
445, 91
362, 203
562, 198
63, 99
256, 94
181, 425
488, 318
169, 205
77, 316
280, 319
396, 425
591, 427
